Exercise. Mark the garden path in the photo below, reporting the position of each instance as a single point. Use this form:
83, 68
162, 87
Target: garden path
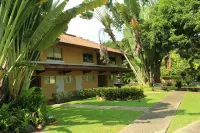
145, 109
158, 118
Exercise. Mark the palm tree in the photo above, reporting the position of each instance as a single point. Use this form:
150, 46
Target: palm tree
26, 29
129, 14
106, 18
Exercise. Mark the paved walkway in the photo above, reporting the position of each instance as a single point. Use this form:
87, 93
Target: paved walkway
191, 128
158, 118
104, 107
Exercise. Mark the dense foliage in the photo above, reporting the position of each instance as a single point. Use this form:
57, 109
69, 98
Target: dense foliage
31, 109
171, 25
180, 69
109, 93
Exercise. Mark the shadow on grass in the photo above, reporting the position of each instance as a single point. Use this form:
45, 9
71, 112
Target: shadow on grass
83, 119
70, 118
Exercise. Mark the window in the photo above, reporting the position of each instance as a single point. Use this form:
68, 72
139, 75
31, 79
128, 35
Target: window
112, 60
111, 77
49, 80
89, 78
87, 58
54, 54
68, 79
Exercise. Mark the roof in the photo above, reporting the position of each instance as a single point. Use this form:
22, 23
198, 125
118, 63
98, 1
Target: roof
78, 41
83, 68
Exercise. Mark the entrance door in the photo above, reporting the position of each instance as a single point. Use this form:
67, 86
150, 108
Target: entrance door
102, 81
60, 84
79, 85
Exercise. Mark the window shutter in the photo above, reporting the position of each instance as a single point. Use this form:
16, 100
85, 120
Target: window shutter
50, 53
57, 53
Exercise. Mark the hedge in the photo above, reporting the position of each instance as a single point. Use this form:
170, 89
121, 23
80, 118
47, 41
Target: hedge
109, 93
169, 88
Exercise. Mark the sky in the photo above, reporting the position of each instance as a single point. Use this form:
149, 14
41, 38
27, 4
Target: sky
87, 29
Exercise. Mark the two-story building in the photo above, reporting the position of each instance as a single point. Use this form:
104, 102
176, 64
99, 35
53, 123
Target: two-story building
73, 64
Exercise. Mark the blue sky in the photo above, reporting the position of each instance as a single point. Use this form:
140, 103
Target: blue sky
87, 29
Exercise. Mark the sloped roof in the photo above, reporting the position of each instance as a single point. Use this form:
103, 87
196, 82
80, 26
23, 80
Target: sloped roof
78, 41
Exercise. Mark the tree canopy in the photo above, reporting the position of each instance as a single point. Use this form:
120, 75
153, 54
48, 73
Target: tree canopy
171, 25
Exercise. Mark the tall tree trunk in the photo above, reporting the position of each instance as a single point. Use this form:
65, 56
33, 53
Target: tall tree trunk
156, 73
134, 71
146, 70
138, 50
109, 31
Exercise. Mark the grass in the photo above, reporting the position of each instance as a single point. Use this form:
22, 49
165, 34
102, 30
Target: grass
81, 120
188, 112
148, 101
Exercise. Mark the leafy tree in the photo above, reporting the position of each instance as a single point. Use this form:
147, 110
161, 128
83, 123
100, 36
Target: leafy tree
181, 69
171, 25
177, 66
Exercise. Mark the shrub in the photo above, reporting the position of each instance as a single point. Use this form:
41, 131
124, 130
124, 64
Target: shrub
121, 93
169, 88
109, 93
61, 97
17, 115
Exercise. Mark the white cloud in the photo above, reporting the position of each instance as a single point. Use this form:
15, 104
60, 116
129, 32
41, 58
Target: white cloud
87, 29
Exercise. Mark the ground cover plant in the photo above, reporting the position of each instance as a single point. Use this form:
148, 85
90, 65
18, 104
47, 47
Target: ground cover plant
148, 101
187, 113
81, 120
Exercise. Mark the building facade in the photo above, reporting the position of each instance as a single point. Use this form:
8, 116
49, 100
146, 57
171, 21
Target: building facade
73, 64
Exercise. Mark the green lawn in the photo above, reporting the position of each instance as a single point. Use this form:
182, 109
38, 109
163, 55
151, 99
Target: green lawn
188, 112
148, 101
81, 120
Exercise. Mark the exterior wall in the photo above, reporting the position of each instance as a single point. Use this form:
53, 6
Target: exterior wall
51, 88
75, 55
117, 57
48, 88
72, 54
91, 84
71, 86
43, 56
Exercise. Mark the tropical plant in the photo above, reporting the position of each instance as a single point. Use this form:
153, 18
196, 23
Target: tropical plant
31, 109
126, 16
27, 28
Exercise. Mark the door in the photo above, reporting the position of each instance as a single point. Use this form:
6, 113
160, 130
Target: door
60, 84
79, 85
102, 81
